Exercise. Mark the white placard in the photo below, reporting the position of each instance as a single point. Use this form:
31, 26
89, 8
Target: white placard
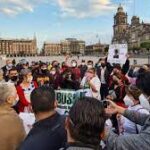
117, 53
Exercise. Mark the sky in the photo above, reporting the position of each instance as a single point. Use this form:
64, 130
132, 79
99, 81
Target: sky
55, 20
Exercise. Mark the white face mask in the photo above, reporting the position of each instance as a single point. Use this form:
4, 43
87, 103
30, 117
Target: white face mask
144, 101
74, 64
90, 66
128, 101
53, 72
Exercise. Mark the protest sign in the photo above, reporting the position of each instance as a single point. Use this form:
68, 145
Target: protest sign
117, 53
66, 99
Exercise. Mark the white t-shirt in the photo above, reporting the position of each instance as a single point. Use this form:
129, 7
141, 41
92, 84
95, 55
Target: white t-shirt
103, 75
95, 81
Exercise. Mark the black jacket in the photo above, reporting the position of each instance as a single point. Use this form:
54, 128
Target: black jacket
106, 74
80, 146
47, 134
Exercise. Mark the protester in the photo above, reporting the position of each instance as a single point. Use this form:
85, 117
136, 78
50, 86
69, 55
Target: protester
13, 76
24, 89
55, 78
131, 100
104, 76
83, 68
6, 69
24, 64
98, 64
135, 71
91, 82
85, 126
48, 133
43, 75
56, 65
138, 141
76, 70
117, 90
69, 80
90, 64
11, 127
35, 69
117, 71
64, 67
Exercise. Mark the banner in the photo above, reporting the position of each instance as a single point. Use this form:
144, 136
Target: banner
66, 99
117, 53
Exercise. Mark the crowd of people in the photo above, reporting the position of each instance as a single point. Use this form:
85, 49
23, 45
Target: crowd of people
113, 114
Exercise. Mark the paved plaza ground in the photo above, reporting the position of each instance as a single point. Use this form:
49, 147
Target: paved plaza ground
140, 61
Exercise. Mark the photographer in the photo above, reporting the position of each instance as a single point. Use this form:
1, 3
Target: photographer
135, 141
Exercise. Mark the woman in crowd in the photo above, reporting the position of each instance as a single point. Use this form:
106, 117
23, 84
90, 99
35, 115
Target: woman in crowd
117, 93
55, 78
117, 90
131, 100
91, 82
69, 81
140, 141
24, 89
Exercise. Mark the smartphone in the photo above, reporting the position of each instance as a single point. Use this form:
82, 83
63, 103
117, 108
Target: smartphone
105, 103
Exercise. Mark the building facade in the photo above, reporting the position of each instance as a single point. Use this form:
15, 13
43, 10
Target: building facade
120, 27
133, 34
70, 45
96, 49
51, 49
73, 46
18, 47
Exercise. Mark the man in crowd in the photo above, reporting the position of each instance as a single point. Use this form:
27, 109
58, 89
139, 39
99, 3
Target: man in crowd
11, 126
85, 126
48, 133
83, 68
135, 141
104, 74
6, 69
13, 76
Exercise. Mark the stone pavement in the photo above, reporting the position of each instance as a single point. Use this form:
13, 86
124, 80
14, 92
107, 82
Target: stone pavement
140, 61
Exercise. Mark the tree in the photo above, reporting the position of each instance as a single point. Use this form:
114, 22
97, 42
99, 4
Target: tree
145, 45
